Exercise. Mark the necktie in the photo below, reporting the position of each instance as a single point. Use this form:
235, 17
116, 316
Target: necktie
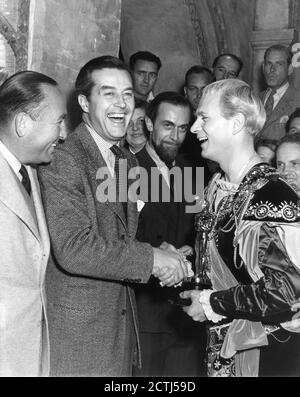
25, 179
118, 156
269, 104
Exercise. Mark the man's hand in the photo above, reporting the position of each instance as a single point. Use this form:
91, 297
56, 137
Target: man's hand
170, 266
294, 324
195, 310
295, 308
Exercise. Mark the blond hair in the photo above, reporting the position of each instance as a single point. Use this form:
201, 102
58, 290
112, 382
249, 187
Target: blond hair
235, 97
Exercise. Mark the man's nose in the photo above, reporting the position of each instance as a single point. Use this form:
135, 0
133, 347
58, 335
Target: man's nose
175, 134
146, 78
63, 132
120, 101
196, 126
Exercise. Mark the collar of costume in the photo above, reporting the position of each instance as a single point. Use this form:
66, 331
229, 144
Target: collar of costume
261, 196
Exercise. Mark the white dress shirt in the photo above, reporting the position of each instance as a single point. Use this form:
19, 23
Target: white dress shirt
12, 160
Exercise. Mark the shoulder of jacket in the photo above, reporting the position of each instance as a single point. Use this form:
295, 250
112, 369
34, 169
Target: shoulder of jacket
274, 201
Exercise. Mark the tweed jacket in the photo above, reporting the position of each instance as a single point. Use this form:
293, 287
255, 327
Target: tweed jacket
24, 247
274, 127
91, 303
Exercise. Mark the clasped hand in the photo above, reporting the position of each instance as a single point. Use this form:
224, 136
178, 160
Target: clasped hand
171, 265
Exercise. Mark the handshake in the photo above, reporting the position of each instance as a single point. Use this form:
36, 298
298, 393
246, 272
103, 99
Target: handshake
171, 265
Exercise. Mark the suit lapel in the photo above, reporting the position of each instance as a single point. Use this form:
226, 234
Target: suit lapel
15, 197
282, 107
97, 161
40, 215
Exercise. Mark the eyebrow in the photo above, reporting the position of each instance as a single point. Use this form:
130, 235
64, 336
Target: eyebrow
110, 87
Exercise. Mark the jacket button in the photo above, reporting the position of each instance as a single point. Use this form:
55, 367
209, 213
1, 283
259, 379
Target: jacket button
123, 312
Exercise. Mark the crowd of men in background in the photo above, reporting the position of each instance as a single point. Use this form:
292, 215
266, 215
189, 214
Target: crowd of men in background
99, 303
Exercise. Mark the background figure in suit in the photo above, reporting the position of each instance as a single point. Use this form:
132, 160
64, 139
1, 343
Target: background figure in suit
170, 343
280, 99
32, 112
91, 304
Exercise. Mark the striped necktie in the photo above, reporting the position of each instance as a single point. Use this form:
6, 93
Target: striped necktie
270, 104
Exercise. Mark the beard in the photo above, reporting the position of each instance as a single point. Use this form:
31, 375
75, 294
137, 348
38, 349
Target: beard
165, 152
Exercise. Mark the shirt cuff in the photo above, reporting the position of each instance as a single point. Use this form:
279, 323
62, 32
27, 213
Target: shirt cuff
204, 299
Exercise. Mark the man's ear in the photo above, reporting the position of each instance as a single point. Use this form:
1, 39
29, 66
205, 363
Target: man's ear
290, 69
22, 124
238, 123
184, 90
83, 102
149, 124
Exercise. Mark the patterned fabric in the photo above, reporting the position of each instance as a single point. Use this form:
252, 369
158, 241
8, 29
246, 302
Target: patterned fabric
218, 366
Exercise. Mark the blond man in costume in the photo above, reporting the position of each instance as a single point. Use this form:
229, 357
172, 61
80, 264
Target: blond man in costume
253, 261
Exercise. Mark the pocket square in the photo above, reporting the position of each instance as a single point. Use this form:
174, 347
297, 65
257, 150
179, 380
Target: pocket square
140, 205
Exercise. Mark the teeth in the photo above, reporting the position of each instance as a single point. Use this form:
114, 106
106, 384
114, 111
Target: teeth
203, 139
116, 115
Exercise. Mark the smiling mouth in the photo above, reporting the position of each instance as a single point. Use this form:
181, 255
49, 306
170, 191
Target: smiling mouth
117, 117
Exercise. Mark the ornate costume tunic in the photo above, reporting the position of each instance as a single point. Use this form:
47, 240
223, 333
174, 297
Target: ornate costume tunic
254, 262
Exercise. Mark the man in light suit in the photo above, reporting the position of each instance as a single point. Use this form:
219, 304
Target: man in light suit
280, 98
32, 111
91, 304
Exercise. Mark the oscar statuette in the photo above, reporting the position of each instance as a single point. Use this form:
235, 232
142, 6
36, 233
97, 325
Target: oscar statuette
204, 221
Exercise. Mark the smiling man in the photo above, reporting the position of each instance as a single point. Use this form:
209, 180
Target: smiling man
91, 305
252, 216
32, 113
280, 98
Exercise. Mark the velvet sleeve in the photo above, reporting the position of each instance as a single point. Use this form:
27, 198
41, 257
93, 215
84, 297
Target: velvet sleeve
268, 300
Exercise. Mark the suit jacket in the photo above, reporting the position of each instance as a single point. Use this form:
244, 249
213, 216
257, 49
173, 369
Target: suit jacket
274, 127
159, 222
91, 303
24, 247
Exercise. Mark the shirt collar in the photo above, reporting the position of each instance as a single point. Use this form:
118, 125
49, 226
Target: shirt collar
10, 158
102, 144
281, 90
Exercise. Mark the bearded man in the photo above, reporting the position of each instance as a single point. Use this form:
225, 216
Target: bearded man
169, 341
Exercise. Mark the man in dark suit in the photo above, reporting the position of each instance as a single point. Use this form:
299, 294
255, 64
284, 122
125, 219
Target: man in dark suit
91, 304
171, 346
280, 98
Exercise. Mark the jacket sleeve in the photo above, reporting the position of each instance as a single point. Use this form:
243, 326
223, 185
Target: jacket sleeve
268, 300
80, 244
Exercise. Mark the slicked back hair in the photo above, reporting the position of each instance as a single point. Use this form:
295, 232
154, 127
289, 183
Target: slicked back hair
144, 56
170, 97
84, 82
199, 69
236, 96
22, 92
292, 138
281, 48
232, 56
